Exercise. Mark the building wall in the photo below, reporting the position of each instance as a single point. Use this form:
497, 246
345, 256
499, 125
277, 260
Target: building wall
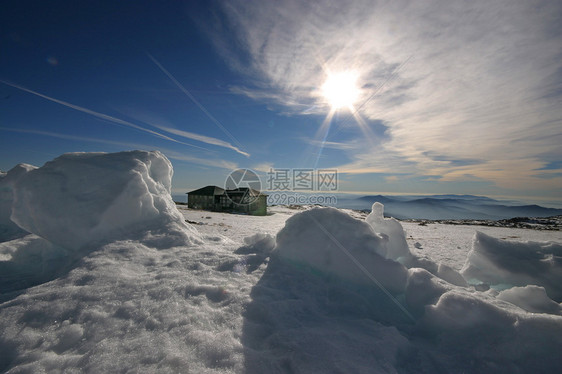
200, 202
223, 203
259, 207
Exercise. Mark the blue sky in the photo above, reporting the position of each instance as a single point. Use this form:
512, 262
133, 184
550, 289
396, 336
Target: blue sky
452, 96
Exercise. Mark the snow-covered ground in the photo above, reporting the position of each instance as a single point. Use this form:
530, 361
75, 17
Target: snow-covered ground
448, 244
111, 278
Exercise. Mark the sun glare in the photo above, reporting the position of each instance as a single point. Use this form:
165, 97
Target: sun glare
340, 90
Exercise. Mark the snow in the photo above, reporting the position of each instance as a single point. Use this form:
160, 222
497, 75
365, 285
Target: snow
505, 264
8, 229
423, 289
450, 244
478, 334
531, 298
391, 230
334, 244
112, 279
451, 275
29, 261
82, 200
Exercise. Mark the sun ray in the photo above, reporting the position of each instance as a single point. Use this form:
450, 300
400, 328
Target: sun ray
325, 125
365, 129
313, 150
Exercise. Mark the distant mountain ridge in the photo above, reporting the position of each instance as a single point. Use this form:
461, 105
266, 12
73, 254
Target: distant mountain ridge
447, 207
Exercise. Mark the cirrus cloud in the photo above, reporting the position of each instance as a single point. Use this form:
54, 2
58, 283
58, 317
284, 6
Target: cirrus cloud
482, 82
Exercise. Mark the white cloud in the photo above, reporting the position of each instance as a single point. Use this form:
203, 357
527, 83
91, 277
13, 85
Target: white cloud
482, 80
264, 167
391, 178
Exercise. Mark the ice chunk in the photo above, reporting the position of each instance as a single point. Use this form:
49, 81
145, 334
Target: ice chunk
258, 243
392, 231
531, 298
30, 260
451, 275
502, 262
484, 335
423, 262
422, 289
334, 243
456, 310
85, 199
8, 229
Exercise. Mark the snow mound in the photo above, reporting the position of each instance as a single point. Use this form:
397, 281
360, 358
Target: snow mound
505, 264
396, 247
259, 243
531, 298
81, 200
451, 275
320, 305
8, 229
423, 289
335, 244
392, 231
480, 334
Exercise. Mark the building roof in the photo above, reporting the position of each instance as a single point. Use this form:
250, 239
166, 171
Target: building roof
214, 191
207, 191
243, 191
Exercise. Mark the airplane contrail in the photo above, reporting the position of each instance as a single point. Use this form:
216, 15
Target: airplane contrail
99, 115
201, 138
199, 105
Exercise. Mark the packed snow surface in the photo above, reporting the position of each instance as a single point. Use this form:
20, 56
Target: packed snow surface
112, 279
8, 229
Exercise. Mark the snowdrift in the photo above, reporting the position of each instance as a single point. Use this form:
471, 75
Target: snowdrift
332, 243
505, 264
331, 301
79, 202
83, 200
531, 298
8, 229
319, 305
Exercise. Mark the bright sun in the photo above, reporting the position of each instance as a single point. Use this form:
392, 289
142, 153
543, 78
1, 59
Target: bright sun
340, 90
